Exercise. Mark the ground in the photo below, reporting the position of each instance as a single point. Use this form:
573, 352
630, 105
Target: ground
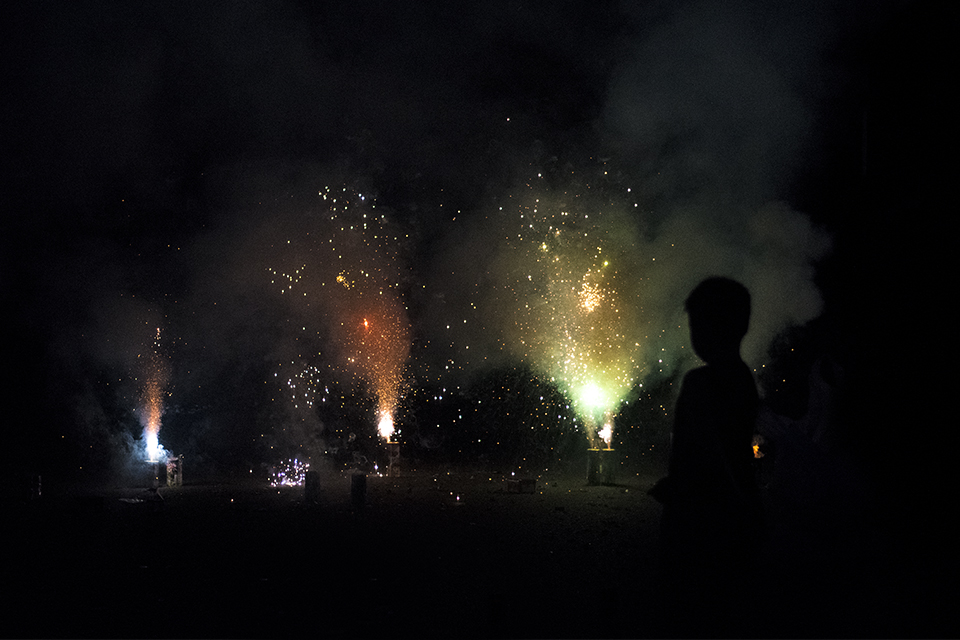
431, 553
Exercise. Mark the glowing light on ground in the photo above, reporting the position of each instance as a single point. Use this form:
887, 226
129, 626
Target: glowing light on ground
289, 473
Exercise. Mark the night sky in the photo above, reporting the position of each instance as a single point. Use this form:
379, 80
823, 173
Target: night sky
158, 156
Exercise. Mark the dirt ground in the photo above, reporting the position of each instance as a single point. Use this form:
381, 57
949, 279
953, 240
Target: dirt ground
430, 553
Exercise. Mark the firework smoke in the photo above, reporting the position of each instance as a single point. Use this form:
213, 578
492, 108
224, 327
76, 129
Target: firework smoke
564, 312
581, 282
706, 112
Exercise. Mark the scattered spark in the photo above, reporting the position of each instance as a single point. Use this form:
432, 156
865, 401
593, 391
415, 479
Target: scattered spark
289, 473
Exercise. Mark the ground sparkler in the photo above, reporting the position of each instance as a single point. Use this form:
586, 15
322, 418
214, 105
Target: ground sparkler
154, 388
345, 273
571, 316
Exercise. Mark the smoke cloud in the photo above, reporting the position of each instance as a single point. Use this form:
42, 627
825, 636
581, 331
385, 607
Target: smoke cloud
486, 315
191, 163
712, 113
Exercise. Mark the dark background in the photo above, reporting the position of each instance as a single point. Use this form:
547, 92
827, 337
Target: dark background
136, 138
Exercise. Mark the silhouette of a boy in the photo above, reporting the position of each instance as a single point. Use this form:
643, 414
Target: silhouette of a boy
711, 515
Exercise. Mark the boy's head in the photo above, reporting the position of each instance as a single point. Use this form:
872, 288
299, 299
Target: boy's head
719, 312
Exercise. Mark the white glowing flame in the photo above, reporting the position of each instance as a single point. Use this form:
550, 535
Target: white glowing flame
606, 434
385, 426
592, 397
153, 450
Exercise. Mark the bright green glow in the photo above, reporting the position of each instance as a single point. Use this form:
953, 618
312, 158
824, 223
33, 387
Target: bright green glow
592, 401
592, 396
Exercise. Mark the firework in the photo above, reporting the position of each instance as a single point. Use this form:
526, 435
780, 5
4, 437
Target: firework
289, 473
571, 317
151, 400
377, 351
345, 277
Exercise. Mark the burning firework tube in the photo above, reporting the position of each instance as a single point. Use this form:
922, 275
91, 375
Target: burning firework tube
602, 466
393, 453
